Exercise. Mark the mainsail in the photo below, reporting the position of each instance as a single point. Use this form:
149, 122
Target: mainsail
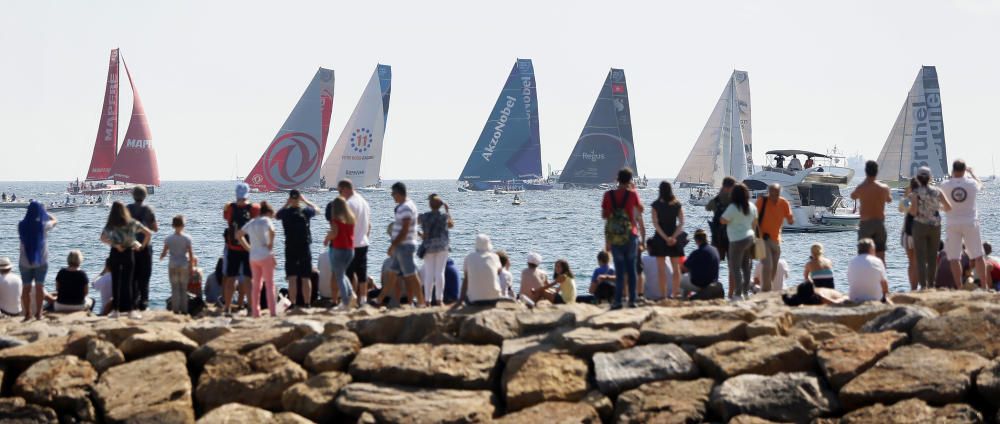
917, 137
724, 147
136, 161
605, 145
509, 147
106, 144
292, 160
357, 156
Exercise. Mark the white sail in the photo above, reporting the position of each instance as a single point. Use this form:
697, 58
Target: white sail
357, 156
917, 136
724, 146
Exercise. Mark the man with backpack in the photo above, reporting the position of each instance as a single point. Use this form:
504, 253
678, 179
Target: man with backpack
237, 214
295, 217
143, 257
622, 212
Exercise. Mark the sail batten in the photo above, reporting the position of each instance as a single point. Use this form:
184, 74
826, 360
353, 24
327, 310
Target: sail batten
725, 145
605, 145
917, 136
106, 143
136, 160
357, 156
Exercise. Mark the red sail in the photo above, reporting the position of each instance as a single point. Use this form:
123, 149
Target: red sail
136, 162
106, 143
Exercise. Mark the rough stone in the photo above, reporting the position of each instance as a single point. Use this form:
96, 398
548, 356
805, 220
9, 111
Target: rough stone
750, 419
243, 341
977, 333
701, 332
914, 411
425, 365
771, 325
585, 341
620, 318
235, 413
405, 326
631, 368
103, 355
165, 394
845, 357
988, 382
314, 398
902, 318
116, 331
714, 312
63, 383
543, 376
151, 343
489, 327
670, 401
334, 354
854, 317
205, 332
764, 355
553, 413
914, 371
256, 379
529, 344
398, 404
75, 343
537, 321
16, 410
943, 301
9, 342
299, 349
602, 404
795, 397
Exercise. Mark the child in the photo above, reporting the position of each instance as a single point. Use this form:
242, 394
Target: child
563, 277
602, 282
506, 278
182, 262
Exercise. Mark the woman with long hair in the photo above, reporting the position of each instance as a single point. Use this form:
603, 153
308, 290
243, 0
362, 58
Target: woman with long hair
34, 262
262, 262
668, 222
740, 219
819, 269
434, 246
121, 233
340, 241
926, 204
563, 277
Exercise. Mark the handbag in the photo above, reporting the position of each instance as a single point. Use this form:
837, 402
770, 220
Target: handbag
759, 246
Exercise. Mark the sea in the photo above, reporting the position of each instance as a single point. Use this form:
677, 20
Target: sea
558, 224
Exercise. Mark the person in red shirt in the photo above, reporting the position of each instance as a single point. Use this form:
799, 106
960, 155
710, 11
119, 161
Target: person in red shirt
992, 266
774, 211
237, 214
621, 241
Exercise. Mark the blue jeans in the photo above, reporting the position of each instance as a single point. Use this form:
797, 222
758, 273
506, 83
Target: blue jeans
624, 258
340, 259
34, 274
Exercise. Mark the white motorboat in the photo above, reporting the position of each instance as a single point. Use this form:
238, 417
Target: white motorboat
701, 196
517, 200
814, 192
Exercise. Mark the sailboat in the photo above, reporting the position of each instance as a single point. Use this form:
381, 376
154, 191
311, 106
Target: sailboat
725, 145
292, 161
113, 170
508, 151
605, 144
917, 137
357, 156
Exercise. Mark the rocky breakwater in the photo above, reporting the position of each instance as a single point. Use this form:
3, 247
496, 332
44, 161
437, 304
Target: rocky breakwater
931, 357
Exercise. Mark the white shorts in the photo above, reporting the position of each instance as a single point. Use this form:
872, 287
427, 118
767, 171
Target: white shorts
957, 234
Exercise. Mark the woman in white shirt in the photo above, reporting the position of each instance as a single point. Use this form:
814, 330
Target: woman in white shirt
262, 263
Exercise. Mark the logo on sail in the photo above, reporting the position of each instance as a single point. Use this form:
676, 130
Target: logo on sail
138, 144
618, 88
361, 140
292, 159
592, 156
498, 129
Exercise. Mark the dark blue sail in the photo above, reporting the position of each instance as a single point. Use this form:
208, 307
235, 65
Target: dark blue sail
605, 145
385, 83
509, 147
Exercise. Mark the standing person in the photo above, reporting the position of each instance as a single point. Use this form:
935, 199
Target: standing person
906, 234
34, 262
668, 222
182, 262
720, 238
237, 214
873, 196
257, 238
622, 212
357, 271
962, 225
144, 257
866, 278
71, 286
819, 269
295, 216
773, 211
434, 246
926, 204
340, 240
740, 219
481, 270
121, 233
404, 245
10, 289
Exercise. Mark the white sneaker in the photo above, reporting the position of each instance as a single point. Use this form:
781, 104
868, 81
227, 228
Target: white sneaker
135, 315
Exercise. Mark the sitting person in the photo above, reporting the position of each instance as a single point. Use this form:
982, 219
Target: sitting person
532, 280
10, 289
780, 275
819, 269
945, 279
809, 294
562, 276
506, 278
324, 288
451, 282
71, 286
701, 270
866, 280
103, 286
213, 285
602, 282
481, 281
652, 290
992, 266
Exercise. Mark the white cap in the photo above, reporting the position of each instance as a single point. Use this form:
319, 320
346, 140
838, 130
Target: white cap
534, 258
483, 243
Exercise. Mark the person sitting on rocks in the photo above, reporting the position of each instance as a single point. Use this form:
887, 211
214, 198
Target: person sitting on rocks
10, 288
481, 274
533, 279
700, 278
602, 282
71, 286
808, 293
562, 277
866, 279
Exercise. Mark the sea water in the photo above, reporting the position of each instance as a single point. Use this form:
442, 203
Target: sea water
558, 224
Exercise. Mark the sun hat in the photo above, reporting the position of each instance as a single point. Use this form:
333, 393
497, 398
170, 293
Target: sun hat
534, 258
483, 243
5, 264
242, 190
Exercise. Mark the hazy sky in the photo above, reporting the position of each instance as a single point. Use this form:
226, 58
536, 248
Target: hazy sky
218, 78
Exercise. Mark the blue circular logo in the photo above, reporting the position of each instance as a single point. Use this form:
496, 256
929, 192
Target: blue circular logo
361, 140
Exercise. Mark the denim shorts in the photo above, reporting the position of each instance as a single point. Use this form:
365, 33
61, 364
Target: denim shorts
402, 260
34, 274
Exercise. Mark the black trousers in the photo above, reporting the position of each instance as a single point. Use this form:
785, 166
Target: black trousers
122, 279
143, 272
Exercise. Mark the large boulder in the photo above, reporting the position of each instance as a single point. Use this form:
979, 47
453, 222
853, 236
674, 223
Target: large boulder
776, 324
620, 318
764, 355
334, 354
315, 397
530, 344
236, 413
542, 377
844, 357
585, 341
794, 397
425, 365
670, 401
103, 355
554, 413
403, 326
257, 378
972, 332
914, 411
491, 326
902, 318
159, 341
536, 321
988, 382
152, 389
204, 332
711, 312
914, 371
398, 404
943, 301
700, 332
243, 341
299, 349
63, 383
16, 410
854, 317
74, 343
116, 331
631, 368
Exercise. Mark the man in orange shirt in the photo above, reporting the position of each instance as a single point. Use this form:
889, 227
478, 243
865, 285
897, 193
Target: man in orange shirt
774, 211
873, 196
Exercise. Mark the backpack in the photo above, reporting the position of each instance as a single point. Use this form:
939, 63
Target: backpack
618, 227
238, 217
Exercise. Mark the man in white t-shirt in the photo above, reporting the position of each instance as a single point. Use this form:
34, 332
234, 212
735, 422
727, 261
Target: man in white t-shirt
962, 225
103, 286
357, 271
780, 275
866, 279
651, 279
404, 245
481, 274
10, 289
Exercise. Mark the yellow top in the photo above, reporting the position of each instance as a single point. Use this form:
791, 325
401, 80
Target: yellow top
567, 289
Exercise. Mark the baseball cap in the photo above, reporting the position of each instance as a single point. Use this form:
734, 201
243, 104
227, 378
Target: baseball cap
534, 258
924, 172
242, 190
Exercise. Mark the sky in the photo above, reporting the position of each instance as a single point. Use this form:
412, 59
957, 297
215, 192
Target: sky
218, 78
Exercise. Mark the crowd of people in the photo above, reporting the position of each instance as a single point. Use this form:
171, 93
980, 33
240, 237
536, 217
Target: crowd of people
630, 267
